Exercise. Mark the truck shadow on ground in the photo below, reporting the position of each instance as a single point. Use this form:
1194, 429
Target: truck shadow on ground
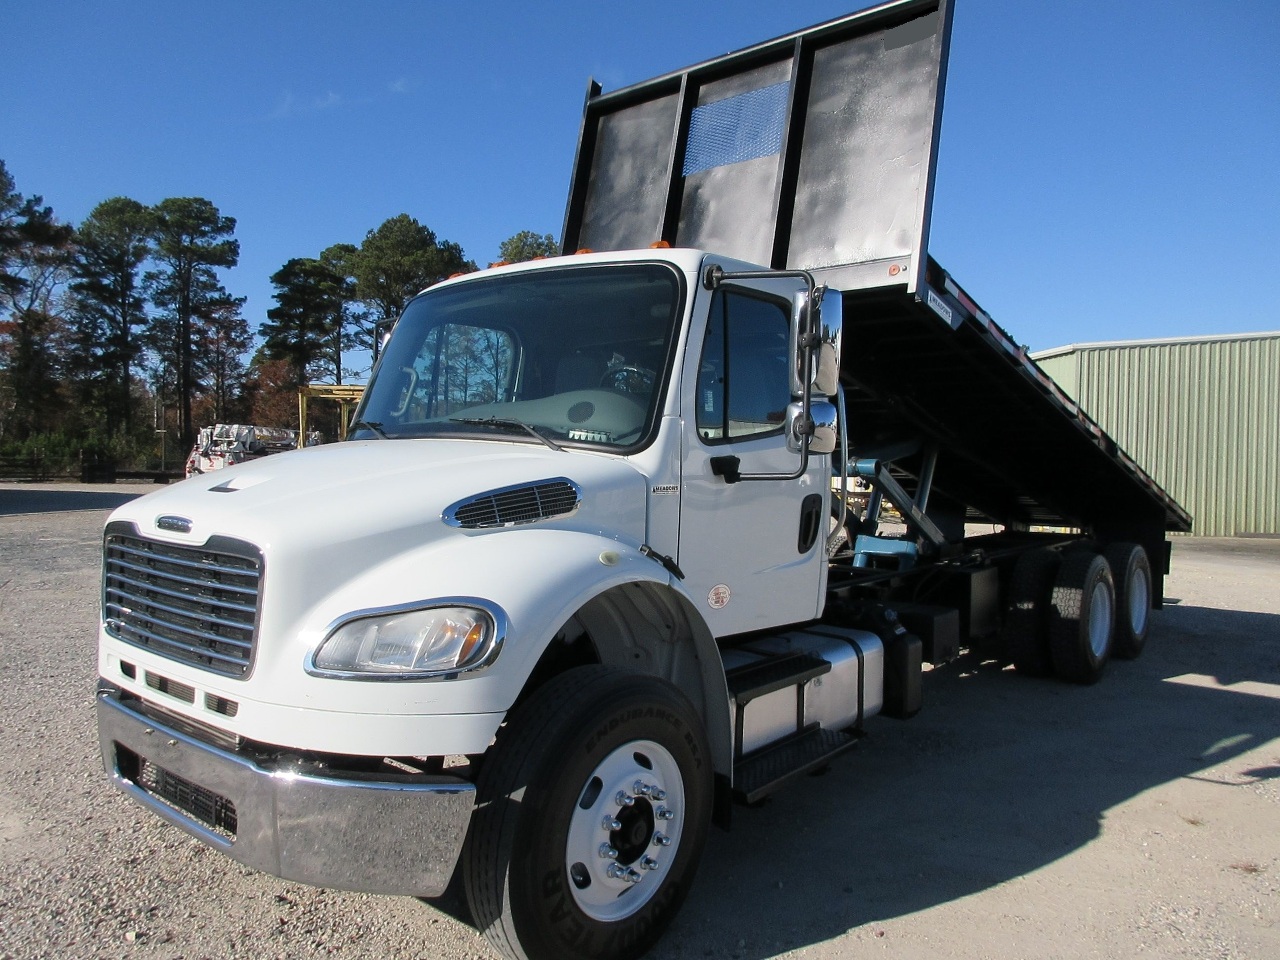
998, 776
45, 500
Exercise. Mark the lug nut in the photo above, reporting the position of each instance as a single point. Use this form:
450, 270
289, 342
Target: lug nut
611, 824
607, 852
624, 799
657, 794
661, 840
649, 863
662, 813
617, 871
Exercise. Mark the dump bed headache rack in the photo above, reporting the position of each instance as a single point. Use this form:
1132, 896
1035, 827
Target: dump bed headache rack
812, 151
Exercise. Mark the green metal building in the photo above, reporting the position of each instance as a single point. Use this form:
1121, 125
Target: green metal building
1200, 414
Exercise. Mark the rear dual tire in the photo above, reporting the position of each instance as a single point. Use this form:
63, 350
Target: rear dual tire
1082, 610
1024, 633
1131, 570
1067, 614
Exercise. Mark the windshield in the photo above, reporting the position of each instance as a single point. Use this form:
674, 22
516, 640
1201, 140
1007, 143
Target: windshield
570, 356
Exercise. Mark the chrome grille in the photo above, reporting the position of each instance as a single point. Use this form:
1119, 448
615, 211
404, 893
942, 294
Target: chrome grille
514, 505
197, 605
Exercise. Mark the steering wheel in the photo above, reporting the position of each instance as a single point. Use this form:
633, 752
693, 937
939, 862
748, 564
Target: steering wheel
630, 379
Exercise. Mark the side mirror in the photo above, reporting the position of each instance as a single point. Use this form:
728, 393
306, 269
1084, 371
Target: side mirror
796, 359
824, 434
381, 334
830, 327
827, 321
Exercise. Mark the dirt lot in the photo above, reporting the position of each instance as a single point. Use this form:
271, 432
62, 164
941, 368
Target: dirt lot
1012, 818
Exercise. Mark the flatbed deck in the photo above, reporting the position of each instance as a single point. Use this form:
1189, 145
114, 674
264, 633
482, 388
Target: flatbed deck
1012, 446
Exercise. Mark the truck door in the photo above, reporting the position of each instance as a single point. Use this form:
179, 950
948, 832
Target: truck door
747, 548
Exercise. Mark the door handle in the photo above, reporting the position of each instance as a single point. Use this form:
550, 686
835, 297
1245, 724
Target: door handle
810, 520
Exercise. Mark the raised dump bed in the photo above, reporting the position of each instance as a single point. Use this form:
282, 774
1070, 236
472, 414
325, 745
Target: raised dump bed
817, 151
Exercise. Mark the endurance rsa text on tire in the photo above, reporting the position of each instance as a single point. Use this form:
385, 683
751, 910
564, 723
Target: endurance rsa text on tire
590, 818
1131, 571
1024, 634
1082, 617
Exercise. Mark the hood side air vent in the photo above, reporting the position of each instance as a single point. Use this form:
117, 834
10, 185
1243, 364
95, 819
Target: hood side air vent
509, 506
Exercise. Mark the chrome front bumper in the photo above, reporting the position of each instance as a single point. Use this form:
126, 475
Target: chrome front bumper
375, 836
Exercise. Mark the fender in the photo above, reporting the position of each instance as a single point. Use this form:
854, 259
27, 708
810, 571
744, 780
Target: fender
544, 580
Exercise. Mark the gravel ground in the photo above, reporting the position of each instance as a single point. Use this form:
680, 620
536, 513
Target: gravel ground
1012, 818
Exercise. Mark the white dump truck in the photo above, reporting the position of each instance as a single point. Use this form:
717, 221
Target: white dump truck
595, 577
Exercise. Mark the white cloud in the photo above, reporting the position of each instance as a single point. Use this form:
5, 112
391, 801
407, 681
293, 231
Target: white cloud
284, 106
330, 99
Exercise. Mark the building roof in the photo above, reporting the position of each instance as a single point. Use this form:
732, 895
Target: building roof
1158, 342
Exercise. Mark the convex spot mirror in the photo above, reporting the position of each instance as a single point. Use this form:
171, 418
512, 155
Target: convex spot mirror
827, 321
825, 432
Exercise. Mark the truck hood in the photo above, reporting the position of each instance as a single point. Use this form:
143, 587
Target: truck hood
351, 506
358, 527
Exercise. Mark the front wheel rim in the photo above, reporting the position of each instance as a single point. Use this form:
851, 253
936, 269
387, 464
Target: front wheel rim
625, 829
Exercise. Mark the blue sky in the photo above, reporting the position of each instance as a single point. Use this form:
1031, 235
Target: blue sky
1107, 170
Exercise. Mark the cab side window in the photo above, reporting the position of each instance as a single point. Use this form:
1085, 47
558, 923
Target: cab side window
743, 387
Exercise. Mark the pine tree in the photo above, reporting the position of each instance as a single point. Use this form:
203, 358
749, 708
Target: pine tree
192, 240
108, 306
527, 245
34, 254
224, 338
305, 329
397, 261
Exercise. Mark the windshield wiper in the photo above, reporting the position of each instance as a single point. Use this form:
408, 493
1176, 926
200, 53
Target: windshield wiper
499, 422
373, 425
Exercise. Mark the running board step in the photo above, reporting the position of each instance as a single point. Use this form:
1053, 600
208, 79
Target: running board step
769, 768
760, 679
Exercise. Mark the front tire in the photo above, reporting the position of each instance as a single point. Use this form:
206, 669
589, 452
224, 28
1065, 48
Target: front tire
591, 814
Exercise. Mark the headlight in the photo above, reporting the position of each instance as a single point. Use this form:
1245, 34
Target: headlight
409, 643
